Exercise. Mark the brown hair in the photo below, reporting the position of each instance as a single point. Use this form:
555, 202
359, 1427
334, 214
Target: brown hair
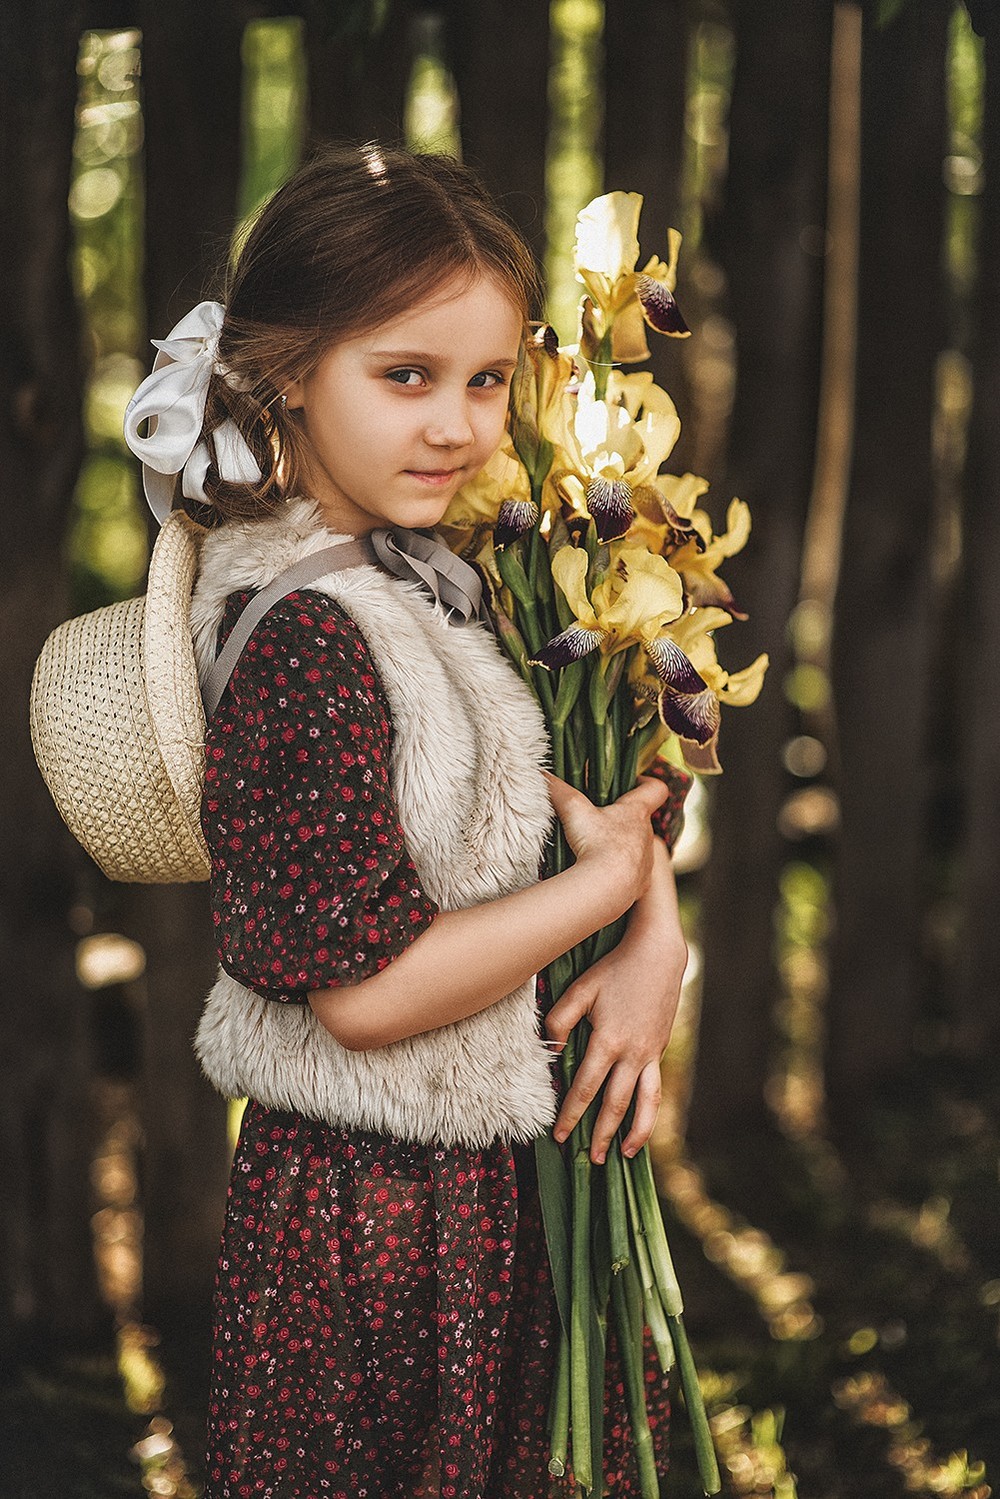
356, 236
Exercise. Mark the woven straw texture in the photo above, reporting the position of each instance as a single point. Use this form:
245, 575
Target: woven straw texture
118, 726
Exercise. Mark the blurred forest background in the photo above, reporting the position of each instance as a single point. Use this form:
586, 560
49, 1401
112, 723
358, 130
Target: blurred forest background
829, 1151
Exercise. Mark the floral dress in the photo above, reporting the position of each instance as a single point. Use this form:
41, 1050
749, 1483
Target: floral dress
384, 1320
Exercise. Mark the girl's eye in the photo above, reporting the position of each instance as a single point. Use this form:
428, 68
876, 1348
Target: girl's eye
488, 380
405, 377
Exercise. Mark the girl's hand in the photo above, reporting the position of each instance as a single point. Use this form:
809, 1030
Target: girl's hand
630, 998
618, 838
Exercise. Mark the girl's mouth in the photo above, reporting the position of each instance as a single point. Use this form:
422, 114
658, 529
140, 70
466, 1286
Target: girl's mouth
433, 477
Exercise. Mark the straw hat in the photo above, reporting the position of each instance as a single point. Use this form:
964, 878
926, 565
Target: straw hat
118, 725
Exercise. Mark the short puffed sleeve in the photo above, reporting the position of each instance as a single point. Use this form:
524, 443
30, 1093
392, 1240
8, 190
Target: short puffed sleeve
312, 884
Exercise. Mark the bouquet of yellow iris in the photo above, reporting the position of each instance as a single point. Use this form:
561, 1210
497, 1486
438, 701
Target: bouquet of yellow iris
605, 593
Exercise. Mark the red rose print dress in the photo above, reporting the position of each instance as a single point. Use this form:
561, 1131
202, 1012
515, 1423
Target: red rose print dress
384, 1317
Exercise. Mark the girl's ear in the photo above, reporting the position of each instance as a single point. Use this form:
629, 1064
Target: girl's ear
293, 396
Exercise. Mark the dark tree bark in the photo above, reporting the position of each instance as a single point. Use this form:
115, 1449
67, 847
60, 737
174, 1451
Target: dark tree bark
192, 80
881, 646
499, 53
186, 1157
646, 66
357, 81
776, 190
192, 162
977, 1014
46, 1266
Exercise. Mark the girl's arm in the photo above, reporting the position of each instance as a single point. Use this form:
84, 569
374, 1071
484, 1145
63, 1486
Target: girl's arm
630, 998
466, 960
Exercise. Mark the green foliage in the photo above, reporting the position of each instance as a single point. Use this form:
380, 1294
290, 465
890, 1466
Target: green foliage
274, 101
803, 916
107, 540
573, 168
963, 167
432, 111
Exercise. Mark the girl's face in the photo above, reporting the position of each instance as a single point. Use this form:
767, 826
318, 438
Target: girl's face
400, 416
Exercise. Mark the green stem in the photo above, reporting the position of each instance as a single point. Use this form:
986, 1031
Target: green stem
576, 760
540, 577
653, 1307
607, 939
601, 367
635, 1392
617, 1210
670, 1295
557, 734
543, 688
656, 1236
704, 1447
599, 762
559, 1411
580, 1309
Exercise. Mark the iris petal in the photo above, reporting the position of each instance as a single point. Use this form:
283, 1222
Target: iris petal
513, 519
570, 646
673, 668
691, 715
610, 503
704, 758
659, 307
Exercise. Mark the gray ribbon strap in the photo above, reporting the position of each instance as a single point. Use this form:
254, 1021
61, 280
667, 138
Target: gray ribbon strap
419, 558
299, 575
410, 555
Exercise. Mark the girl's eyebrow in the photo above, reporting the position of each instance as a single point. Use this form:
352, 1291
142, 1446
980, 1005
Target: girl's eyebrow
415, 356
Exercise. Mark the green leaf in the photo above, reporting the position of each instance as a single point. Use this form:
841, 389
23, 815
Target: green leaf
553, 1192
570, 682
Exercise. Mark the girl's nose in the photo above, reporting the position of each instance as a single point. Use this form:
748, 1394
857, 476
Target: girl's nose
449, 425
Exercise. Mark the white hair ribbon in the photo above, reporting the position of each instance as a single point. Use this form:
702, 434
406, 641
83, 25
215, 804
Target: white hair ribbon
172, 400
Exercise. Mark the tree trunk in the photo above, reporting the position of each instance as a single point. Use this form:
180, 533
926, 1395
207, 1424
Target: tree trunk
357, 82
192, 173
646, 70
499, 51
192, 81
186, 1157
776, 197
881, 646
977, 1020
47, 1280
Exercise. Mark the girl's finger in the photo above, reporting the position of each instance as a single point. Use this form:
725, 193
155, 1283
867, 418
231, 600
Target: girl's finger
614, 1107
651, 792
586, 1085
568, 1009
647, 1107
561, 794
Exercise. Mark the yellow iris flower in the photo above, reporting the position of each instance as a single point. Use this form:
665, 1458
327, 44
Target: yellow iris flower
693, 634
537, 392
629, 606
624, 299
688, 685
697, 563
613, 446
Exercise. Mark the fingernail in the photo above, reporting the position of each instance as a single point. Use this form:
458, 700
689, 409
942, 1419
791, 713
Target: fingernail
599, 1158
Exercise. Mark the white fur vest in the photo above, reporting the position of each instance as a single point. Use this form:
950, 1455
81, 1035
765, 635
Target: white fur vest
468, 742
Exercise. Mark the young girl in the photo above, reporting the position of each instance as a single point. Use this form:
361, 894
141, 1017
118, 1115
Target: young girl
376, 809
